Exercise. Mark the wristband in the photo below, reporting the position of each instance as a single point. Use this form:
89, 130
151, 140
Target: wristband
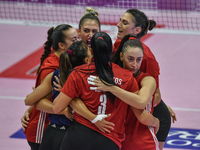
98, 118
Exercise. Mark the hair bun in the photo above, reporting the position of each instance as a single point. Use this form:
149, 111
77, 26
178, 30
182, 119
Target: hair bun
91, 11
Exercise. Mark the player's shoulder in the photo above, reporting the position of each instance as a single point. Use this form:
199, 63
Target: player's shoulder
121, 72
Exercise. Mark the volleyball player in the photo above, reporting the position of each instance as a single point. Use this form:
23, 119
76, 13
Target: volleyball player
140, 133
83, 134
34, 121
89, 24
136, 22
77, 54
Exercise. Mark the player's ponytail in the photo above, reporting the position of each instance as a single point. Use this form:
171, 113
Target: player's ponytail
47, 47
141, 20
55, 35
101, 45
74, 56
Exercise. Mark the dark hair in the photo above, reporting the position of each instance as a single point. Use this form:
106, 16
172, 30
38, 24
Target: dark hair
101, 45
71, 58
141, 20
116, 56
90, 14
55, 35
131, 43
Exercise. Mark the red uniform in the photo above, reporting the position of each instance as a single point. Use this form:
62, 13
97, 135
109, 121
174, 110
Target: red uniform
139, 136
97, 102
39, 119
149, 62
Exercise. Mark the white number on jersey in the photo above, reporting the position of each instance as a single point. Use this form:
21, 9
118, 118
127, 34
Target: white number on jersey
102, 107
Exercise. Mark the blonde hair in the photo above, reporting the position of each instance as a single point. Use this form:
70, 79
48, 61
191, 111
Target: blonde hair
90, 14
90, 10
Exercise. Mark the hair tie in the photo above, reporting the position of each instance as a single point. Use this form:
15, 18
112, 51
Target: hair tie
70, 52
92, 12
100, 38
132, 38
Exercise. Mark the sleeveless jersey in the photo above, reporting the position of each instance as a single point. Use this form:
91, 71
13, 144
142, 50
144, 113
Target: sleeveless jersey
97, 101
39, 119
139, 136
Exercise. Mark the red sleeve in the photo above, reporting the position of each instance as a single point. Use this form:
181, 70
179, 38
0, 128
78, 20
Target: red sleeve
150, 64
70, 89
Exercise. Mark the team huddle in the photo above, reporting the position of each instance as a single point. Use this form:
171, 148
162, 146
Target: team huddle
93, 94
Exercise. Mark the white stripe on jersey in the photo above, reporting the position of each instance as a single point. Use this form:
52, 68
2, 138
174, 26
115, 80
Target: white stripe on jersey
151, 129
40, 126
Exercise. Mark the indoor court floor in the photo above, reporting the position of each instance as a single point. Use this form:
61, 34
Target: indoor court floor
178, 56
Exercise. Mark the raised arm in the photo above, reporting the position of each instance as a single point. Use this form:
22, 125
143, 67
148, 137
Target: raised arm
44, 89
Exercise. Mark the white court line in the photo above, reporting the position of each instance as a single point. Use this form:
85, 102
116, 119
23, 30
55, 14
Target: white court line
12, 97
186, 109
23, 98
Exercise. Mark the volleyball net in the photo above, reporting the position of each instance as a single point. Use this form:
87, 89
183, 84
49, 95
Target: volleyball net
169, 14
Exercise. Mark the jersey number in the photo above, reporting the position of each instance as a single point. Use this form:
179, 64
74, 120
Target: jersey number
102, 107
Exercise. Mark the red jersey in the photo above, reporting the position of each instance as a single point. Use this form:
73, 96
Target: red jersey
97, 101
139, 136
39, 119
149, 62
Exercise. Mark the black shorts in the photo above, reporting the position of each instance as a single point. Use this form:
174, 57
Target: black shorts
53, 136
162, 113
80, 137
34, 146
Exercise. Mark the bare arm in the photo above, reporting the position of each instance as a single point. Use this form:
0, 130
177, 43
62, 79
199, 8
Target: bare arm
157, 97
47, 106
146, 118
40, 92
148, 87
138, 101
79, 107
61, 102
25, 118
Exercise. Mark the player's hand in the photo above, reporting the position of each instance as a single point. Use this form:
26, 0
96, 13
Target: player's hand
57, 85
68, 113
172, 114
103, 125
99, 85
25, 120
156, 125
